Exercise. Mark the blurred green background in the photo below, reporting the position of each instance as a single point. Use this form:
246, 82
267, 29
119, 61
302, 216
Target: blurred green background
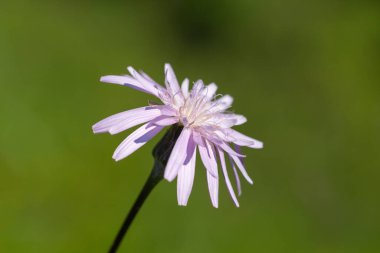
305, 73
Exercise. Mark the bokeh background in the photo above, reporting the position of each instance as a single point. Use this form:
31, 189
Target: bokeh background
305, 73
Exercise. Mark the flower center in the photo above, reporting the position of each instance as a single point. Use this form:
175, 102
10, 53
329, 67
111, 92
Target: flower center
195, 111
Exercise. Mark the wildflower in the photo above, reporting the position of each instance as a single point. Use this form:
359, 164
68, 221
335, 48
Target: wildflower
206, 127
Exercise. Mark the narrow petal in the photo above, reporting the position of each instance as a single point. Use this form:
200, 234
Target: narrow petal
240, 165
221, 104
171, 80
227, 179
226, 100
240, 119
228, 149
185, 180
238, 150
197, 88
125, 81
178, 155
136, 118
209, 90
164, 120
197, 137
136, 140
185, 87
106, 124
208, 158
237, 178
213, 188
242, 140
168, 110
209, 161
149, 85
146, 76
224, 120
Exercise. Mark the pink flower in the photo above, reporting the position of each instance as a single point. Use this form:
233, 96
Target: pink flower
206, 127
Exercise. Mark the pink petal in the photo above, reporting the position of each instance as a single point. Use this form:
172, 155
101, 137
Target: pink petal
185, 179
240, 165
228, 149
106, 124
148, 84
164, 120
209, 161
209, 90
197, 137
237, 179
136, 118
135, 140
167, 110
197, 88
242, 140
185, 87
222, 104
171, 80
208, 158
238, 150
178, 155
225, 173
240, 119
227, 100
125, 81
148, 78
223, 120
213, 188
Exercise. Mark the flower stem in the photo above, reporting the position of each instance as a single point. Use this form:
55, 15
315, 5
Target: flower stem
154, 178
161, 153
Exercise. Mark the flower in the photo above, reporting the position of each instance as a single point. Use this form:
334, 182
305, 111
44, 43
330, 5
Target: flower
206, 127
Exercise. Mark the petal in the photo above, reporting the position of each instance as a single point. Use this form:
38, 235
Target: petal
226, 100
135, 140
238, 150
149, 85
185, 87
209, 90
124, 80
197, 137
240, 119
209, 161
168, 110
106, 124
164, 120
225, 173
197, 88
178, 155
237, 179
228, 149
148, 78
171, 80
221, 104
185, 180
213, 188
224, 120
240, 165
242, 140
141, 115
208, 158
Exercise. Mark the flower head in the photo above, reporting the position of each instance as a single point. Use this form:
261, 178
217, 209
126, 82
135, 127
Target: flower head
206, 126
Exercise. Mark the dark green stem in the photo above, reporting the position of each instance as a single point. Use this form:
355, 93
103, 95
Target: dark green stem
154, 178
161, 154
